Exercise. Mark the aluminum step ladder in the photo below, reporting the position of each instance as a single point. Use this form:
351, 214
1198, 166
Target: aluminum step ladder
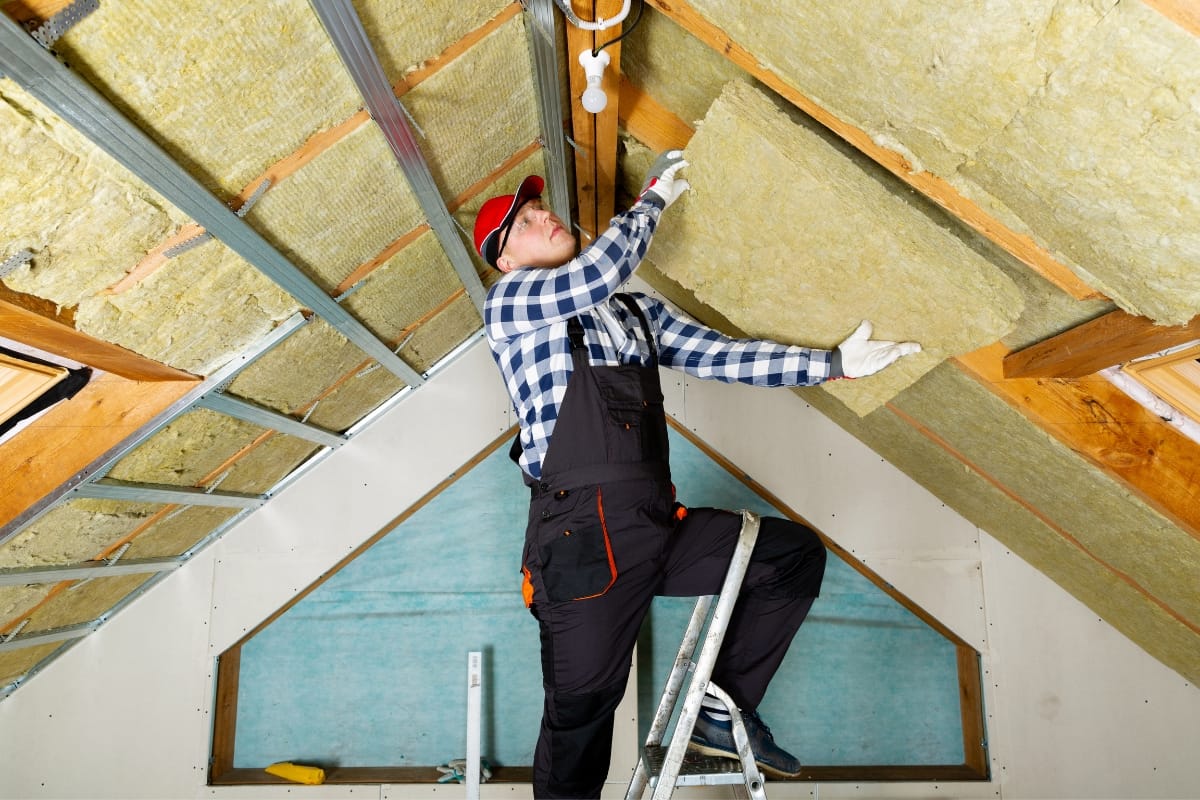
665, 767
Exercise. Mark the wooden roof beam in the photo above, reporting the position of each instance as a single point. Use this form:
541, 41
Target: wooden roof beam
595, 134
1103, 342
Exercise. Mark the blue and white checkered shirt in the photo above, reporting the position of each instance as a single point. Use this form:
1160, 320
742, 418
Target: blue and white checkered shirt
525, 319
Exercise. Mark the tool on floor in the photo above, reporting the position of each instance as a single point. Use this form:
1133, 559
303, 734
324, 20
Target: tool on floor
671, 766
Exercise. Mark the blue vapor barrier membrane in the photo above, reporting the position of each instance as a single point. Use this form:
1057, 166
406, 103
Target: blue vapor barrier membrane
865, 682
369, 669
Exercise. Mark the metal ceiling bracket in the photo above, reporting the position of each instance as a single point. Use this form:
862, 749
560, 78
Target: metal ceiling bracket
102, 463
249, 412
52, 29
86, 570
543, 45
14, 261
89, 112
345, 30
47, 637
108, 489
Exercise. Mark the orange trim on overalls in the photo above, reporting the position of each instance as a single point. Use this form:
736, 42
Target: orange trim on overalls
526, 586
612, 562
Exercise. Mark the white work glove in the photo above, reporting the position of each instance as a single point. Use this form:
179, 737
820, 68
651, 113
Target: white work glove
661, 180
863, 356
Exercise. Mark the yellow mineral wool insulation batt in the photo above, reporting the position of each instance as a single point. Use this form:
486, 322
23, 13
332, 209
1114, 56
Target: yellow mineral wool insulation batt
195, 313
178, 531
467, 127
83, 216
341, 209
226, 90
73, 532
931, 79
1102, 164
184, 452
403, 289
15, 663
299, 369
402, 42
651, 58
83, 601
792, 241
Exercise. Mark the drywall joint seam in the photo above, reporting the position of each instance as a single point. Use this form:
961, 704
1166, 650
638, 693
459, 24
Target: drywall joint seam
544, 48
349, 39
86, 570
108, 489
52, 29
249, 412
89, 112
47, 637
101, 463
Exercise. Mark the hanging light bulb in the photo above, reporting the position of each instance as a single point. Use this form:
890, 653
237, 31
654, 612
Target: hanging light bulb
594, 99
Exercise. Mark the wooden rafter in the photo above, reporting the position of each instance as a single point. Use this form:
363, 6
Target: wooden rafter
595, 134
51, 331
936, 189
1103, 342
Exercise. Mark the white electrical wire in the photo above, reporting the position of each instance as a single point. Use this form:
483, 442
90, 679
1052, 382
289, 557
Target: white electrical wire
600, 23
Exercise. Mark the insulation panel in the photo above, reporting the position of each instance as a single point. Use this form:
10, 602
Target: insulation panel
1121, 194
15, 663
340, 209
83, 216
815, 244
299, 370
226, 92
74, 532
82, 602
186, 452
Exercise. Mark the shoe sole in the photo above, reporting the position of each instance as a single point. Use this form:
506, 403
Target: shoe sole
767, 769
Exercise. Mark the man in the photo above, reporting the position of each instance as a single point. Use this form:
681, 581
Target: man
605, 535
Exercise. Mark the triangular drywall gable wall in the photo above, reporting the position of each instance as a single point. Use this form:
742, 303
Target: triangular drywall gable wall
367, 670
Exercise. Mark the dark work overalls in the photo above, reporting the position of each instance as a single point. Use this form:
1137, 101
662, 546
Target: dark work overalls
603, 539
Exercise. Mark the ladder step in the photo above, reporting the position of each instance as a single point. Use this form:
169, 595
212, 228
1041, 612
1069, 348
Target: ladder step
696, 770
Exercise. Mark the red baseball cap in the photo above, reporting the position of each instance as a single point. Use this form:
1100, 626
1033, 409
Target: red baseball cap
496, 217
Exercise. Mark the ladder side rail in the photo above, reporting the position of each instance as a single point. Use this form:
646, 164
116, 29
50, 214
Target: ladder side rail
670, 695
741, 740
708, 656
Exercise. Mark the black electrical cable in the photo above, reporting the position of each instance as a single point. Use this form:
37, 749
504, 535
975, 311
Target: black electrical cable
626, 32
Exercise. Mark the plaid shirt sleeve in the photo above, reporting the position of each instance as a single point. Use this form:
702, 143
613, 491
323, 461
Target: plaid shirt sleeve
690, 347
527, 299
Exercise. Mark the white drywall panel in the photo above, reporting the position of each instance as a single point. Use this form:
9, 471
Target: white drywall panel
357, 491
1082, 712
844, 489
1074, 708
125, 713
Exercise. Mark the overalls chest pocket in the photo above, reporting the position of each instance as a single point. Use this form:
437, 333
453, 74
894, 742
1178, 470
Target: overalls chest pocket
635, 418
570, 540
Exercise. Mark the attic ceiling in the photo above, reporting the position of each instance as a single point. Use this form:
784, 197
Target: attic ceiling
223, 212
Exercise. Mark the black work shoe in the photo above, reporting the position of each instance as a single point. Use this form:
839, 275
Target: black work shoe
715, 738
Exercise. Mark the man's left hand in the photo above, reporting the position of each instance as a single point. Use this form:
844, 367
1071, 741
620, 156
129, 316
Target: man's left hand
862, 355
661, 180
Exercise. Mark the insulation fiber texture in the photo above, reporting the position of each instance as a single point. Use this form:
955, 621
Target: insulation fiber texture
467, 124
85, 219
1120, 193
340, 209
227, 90
791, 241
929, 79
